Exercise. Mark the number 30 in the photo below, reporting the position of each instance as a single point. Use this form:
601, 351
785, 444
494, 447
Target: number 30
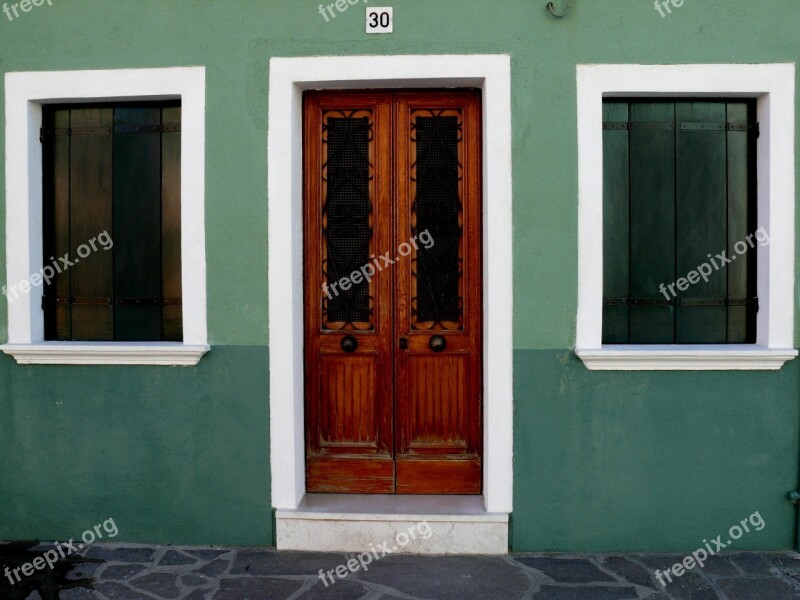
381, 19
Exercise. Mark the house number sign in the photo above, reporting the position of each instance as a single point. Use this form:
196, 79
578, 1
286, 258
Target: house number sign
380, 19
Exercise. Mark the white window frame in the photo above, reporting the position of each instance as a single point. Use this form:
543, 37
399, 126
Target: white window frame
773, 85
288, 78
25, 94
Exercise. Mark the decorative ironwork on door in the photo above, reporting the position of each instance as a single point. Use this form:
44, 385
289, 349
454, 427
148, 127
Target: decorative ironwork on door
437, 296
347, 216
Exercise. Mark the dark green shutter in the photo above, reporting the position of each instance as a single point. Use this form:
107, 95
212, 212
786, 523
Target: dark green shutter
90, 213
137, 224
685, 172
616, 224
114, 169
652, 200
742, 220
172, 311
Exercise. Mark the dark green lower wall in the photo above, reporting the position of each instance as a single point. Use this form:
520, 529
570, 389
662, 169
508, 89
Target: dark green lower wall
172, 454
603, 461
651, 461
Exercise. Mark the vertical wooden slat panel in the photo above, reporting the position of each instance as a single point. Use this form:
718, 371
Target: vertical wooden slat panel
616, 221
739, 185
60, 235
702, 224
347, 411
349, 401
56, 224
172, 314
48, 221
753, 222
90, 215
137, 225
437, 392
652, 219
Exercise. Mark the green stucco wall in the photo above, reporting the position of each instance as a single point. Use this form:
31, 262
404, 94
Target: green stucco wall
651, 461
171, 454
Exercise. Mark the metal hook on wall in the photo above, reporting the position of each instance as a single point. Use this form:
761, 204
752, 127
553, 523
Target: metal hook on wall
551, 7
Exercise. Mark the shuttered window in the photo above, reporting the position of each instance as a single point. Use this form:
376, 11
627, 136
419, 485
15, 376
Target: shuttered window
679, 191
111, 218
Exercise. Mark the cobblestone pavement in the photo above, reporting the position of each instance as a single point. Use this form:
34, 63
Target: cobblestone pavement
131, 572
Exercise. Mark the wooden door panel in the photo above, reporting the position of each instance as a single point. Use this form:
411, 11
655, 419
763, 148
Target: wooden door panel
348, 402
456, 475
349, 443
438, 394
348, 475
438, 411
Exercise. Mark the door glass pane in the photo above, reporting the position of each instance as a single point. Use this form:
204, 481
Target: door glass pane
346, 218
437, 295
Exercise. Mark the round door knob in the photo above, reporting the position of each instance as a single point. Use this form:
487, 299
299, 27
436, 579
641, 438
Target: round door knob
349, 343
437, 343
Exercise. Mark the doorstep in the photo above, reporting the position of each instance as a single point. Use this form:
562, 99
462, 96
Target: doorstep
354, 522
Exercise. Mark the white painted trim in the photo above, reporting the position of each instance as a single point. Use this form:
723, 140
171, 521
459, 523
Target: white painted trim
25, 94
689, 358
774, 87
106, 353
287, 79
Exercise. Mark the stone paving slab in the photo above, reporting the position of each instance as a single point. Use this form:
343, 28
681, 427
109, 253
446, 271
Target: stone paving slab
136, 572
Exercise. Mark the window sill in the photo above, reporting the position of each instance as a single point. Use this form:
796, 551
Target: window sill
734, 357
106, 353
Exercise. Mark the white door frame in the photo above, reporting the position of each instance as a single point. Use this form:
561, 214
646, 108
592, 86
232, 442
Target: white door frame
288, 78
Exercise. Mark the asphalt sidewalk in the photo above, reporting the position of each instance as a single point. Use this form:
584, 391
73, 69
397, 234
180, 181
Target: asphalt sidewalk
133, 572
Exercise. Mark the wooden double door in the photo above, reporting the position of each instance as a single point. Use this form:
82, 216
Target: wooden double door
393, 292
